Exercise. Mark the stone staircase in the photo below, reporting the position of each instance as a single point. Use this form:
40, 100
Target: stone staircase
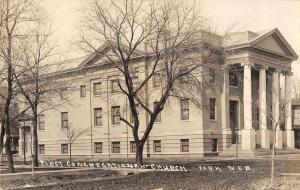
288, 151
231, 152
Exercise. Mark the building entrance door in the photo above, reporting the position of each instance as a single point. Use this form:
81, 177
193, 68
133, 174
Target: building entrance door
297, 138
233, 109
26, 141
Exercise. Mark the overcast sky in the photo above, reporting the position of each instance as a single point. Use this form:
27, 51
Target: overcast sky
254, 15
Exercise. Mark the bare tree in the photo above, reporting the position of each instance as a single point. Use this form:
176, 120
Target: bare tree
277, 122
13, 16
174, 40
71, 135
275, 112
39, 47
296, 88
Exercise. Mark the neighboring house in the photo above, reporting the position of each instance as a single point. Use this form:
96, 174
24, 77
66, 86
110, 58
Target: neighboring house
14, 130
296, 121
235, 101
25, 123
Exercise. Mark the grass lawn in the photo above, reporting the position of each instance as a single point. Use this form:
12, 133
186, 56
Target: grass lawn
197, 176
54, 178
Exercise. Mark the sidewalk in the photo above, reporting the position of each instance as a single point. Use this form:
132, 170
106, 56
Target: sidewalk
282, 154
124, 171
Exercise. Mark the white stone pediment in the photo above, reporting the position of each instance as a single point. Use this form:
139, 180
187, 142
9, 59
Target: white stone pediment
271, 44
274, 42
105, 54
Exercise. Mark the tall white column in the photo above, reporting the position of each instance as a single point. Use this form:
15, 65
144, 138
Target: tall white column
263, 132
21, 141
289, 133
248, 133
276, 108
225, 110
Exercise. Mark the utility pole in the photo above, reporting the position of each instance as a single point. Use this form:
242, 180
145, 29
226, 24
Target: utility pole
237, 143
32, 164
147, 99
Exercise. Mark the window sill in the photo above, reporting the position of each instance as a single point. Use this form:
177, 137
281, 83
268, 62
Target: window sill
185, 120
115, 93
98, 126
213, 120
183, 83
233, 86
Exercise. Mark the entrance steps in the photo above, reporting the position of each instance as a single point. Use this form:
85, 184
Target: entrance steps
288, 151
231, 152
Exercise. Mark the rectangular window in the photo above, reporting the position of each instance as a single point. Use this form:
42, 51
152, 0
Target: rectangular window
83, 91
135, 80
157, 146
41, 149
98, 116
114, 85
233, 79
64, 148
64, 119
214, 144
183, 69
212, 75
131, 116
132, 147
42, 98
41, 122
116, 147
183, 79
63, 94
156, 80
97, 88
116, 115
185, 109
158, 117
98, 147
212, 108
184, 144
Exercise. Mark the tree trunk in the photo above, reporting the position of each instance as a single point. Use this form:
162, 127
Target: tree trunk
139, 153
7, 144
24, 146
2, 136
8, 99
273, 159
35, 141
70, 152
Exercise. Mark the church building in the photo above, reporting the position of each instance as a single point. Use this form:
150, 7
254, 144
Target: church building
248, 102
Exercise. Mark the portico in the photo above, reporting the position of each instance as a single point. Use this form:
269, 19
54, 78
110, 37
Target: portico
266, 105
